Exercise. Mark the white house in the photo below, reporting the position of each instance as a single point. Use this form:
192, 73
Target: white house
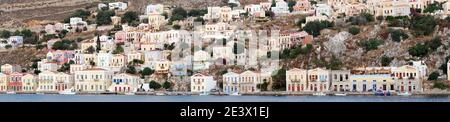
118, 6
154, 8
15, 40
281, 7
202, 60
47, 66
245, 82
202, 83
323, 9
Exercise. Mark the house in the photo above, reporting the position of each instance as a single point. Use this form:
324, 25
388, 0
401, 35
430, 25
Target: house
15, 40
117, 62
340, 80
296, 80
421, 67
134, 55
101, 6
162, 67
281, 7
254, 10
213, 13
245, 82
303, 6
50, 81
60, 56
225, 14
118, 6
44, 65
10, 68
202, 83
389, 7
78, 67
154, 8
119, 37
74, 21
104, 59
201, 60
116, 20
93, 80
323, 9
156, 21
15, 82
4, 79
446, 7
151, 57
123, 83
29, 83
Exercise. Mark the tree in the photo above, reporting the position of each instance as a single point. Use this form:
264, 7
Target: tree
5, 34
398, 35
273, 3
78, 13
314, 27
385, 60
154, 85
8, 46
90, 50
279, 80
433, 76
178, 14
423, 25
419, 50
291, 4
119, 49
146, 72
167, 85
334, 64
104, 17
263, 86
371, 44
197, 12
36, 72
353, 30
176, 27
131, 70
98, 44
130, 16
440, 85
431, 8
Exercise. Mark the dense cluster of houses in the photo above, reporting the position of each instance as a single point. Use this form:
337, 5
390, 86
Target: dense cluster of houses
214, 43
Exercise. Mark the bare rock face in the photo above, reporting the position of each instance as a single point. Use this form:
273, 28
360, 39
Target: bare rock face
336, 44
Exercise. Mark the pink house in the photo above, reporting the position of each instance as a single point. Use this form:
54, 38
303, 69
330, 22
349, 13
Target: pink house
302, 5
60, 56
120, 37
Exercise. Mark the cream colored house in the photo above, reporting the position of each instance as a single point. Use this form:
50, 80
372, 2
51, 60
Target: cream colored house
296, 80
124, 82
4, 79
10, 68
245, 82
29, 83
202, 83
49, 81
156, 21
93, 80
78, 67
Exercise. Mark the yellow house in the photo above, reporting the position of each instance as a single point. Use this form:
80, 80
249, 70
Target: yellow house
29, 83
93, 80
4, 79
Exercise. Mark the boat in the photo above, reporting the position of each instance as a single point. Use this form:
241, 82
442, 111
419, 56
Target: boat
10, 92
319, 94
340, 94
379, 93
40, 93
204, 94
160, 94
130, 93
235, 94
67, 92
404, 94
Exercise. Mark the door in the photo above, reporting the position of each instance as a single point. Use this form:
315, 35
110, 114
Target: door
364, 87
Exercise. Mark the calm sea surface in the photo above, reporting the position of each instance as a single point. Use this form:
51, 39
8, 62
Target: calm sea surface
138, 98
